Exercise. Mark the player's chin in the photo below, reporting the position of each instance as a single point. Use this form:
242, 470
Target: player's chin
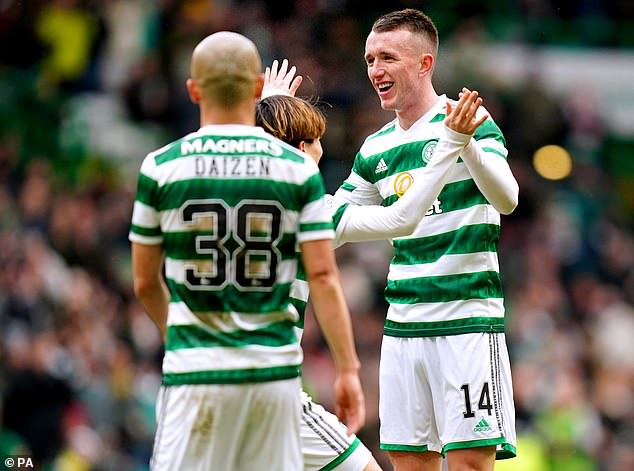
387, 105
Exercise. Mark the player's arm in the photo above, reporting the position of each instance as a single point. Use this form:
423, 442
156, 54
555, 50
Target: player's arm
147, 247
149, 286
492, 175
333, 317
362, 223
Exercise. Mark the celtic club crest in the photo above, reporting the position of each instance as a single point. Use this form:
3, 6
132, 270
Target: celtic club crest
428, 150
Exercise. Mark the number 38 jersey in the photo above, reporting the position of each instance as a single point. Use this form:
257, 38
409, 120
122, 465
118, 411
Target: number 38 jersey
229, 204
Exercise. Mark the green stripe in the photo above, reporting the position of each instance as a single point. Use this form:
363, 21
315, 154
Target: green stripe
301, 271
439, 289
316, 226
194, 336
348, 187
438, 117
472, 444
301, 309
251, 375
399, 159
391, 128
508, 451
442, 328
454, 196
342, 457
494, 151
145, 231
489, 130
291, 196
336, 218
468, 239
146, 190
392, 447
231, 299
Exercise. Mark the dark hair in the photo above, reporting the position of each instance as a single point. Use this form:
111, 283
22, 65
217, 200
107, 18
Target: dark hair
411, 20
290, 119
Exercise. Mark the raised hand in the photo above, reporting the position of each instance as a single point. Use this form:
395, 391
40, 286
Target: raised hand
463, 118
282, 81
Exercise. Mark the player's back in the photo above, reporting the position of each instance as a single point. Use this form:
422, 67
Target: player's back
231, 202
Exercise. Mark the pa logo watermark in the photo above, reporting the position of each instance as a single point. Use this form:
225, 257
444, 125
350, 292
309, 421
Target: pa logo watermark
19, 463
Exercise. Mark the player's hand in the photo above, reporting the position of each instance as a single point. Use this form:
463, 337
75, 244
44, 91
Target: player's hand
463, 118
282, 81
350, 406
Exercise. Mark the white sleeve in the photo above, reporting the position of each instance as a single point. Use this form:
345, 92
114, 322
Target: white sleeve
493, 177
357, 190
363, 223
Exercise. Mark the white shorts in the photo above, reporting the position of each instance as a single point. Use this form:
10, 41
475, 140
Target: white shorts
325, 441
238, 427
446, 393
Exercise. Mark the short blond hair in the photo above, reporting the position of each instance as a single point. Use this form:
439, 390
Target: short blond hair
226, 66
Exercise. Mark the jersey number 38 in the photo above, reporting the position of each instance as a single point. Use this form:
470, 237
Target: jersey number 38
254, 225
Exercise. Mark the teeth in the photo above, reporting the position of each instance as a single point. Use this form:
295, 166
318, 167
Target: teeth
385, 86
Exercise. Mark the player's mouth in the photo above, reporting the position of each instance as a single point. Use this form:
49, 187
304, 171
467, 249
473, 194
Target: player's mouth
384, 87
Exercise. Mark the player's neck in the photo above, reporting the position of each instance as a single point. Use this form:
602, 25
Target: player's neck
408, 116
243, 114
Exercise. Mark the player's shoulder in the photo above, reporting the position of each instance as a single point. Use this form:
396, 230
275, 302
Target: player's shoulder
155, 158
378, 138
168, 152
386, 129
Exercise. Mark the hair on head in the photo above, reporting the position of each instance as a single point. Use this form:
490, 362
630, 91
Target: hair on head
290, 119
411, 20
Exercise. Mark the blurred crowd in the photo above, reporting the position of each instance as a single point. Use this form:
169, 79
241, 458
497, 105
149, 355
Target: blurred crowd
87, 88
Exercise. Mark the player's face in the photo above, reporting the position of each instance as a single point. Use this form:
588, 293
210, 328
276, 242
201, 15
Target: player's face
394, 61
313, 149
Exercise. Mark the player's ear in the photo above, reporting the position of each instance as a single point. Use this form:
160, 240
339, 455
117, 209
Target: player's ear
302, 145
193, 91
259, 85
426, 64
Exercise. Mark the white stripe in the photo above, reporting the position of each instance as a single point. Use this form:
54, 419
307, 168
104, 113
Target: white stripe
316, 211
446, 311
146, 240
307, 236
289, 221
454, 264
386, 142
299, 290
280, 170
459, 173
144, 215
454, 220
175, 269
224, 358
179, 314
364, 192
172, 221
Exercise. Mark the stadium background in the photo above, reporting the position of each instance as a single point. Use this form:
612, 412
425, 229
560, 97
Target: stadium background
88, 87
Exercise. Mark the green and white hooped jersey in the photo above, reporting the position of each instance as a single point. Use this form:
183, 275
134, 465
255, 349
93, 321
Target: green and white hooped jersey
444, 278
229, 204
